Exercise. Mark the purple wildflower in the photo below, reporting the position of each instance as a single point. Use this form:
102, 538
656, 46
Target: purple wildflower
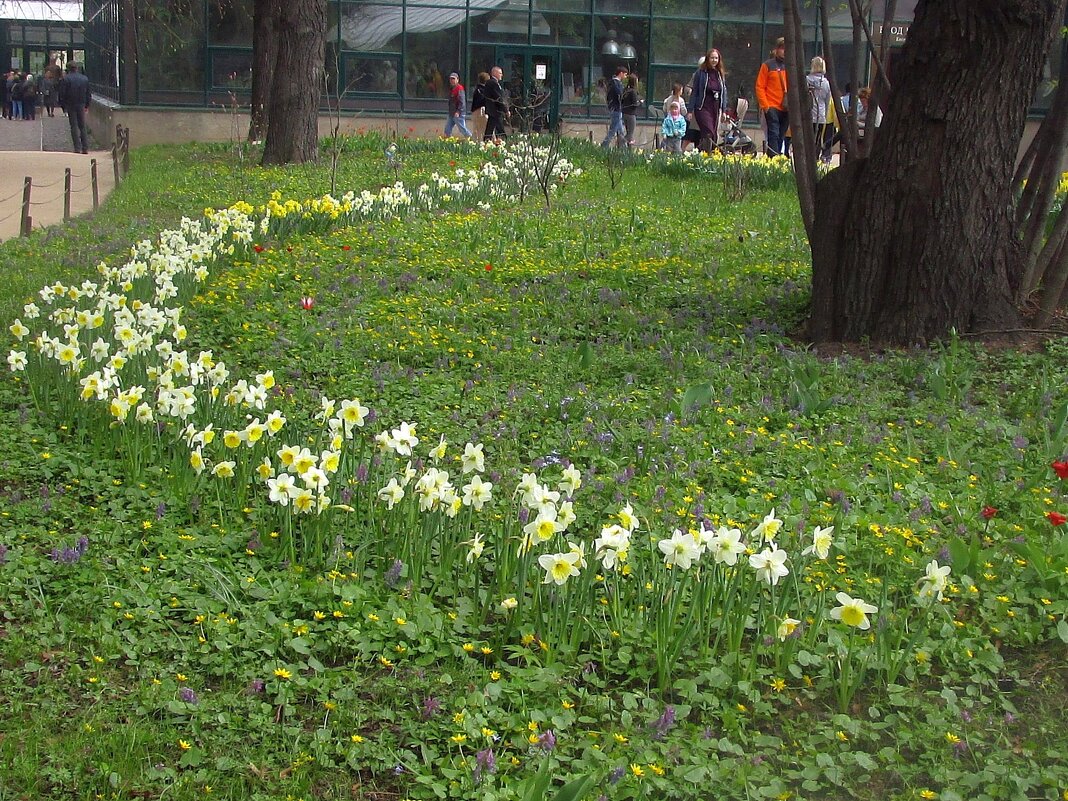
187, 695
431, 706
255, 687
616, 775
394, 573
485, 762
361, 473
161, 510
547, 741
663, 724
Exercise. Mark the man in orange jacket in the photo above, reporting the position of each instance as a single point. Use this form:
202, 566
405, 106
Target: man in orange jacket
771, 96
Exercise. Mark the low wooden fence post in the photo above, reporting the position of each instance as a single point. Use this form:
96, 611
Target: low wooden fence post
96, 184
66, 194
27, 221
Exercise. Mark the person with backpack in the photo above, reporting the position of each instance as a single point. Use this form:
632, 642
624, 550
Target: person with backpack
630, 103
819, 88
29, 98
16, 98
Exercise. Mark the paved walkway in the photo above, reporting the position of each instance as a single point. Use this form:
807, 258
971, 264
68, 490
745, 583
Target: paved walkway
41, 150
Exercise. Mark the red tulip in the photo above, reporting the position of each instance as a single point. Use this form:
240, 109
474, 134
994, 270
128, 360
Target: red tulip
989, 512
489, 267
1061, 469
307, 302
1056, 518
258, 248
346, 247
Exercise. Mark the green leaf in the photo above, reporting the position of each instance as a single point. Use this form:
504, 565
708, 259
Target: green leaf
700, 395
576, 789
300, 645
1062, 630
585, 355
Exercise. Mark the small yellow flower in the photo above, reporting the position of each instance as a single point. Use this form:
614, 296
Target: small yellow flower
458, 738
495, 675
400, 621
567, 704
486, 650
386, 663
841, 736
619, 738
356, 739
282, 673
637, 770
468, 647
778, 685
330, 706
181, 677
951, 738
184, 745
458, 718
373, 618
659, 771
928, 794
318, 615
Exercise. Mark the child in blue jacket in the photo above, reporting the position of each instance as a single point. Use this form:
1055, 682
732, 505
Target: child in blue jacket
673, 129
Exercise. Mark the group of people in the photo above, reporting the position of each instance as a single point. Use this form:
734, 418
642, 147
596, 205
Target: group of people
489, 106
22, 93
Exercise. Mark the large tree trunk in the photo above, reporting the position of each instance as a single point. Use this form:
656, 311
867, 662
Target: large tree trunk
296, 90
928, 244
263, 58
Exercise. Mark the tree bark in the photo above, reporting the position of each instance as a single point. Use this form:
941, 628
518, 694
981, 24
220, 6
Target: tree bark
264, 22
296, 91
927, 245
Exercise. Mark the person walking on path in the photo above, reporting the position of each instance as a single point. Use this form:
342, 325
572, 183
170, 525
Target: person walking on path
771, 97
630, 104
708, 99
457, 107
74, 99
47, 88
496, 106
614, 101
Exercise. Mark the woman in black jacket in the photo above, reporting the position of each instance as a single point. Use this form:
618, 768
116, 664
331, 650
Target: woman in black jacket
630, 104
29, 98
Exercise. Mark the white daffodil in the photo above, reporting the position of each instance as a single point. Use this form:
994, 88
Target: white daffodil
478, 493
437, 453
767, 530
787, 627
627, 519
473, 459
770, 565
680, 550
224, 469
402, 439
391, 494
559, 567
853, 611
726, 546
822, 540
16, 360
508, 604
934, 581
543, 527
570, 481
281, 489
475, 548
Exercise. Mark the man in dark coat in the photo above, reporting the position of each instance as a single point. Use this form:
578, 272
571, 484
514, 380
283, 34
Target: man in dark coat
496, 105
74, 99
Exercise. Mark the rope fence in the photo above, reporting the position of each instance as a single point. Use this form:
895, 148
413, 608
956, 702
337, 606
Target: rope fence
120, 155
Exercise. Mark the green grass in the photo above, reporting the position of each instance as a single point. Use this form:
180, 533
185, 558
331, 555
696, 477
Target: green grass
639, 332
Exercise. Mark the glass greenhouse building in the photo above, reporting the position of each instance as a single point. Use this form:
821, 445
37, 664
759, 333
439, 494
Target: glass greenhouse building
395, 55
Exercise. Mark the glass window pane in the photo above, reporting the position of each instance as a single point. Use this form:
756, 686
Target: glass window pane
170, 47
504, 26
618, 42
230, 24
678, 41
231, 70
562, 5
566, 29
742, 52
377, 75
621, 6
574, 78
666, 77
36, 34
429, 57
371, 26
681, 8
739, 9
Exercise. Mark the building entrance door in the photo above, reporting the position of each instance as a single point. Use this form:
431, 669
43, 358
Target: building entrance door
532, 78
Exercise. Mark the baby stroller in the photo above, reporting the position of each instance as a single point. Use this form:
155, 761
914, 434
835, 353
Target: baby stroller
733, 140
